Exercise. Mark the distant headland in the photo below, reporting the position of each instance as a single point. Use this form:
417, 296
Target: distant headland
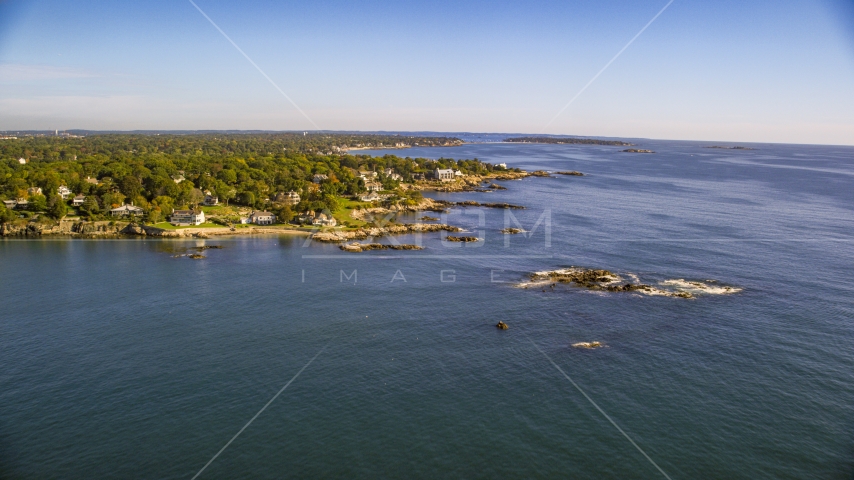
567, 141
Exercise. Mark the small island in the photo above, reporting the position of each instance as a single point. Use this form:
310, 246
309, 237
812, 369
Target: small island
730, 148
637, 150
571, 173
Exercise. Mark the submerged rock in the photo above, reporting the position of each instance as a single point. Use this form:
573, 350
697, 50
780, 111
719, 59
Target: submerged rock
196, 256
511, 231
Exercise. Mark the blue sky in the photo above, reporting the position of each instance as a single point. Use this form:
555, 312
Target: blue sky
726, 70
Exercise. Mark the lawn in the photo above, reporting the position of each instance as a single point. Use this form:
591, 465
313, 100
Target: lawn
343, 214
169, 226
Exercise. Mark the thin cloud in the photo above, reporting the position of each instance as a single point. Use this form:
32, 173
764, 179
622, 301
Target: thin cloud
12, 72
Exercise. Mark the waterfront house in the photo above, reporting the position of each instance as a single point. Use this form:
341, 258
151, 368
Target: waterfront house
64, 192
443, 174
185, 218
324, 220
371, 197
262, 218
125, 211
10, 204
502, 165
21, 204
78, 201
373, 186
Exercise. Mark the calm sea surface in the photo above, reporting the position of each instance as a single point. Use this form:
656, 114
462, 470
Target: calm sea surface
119, 361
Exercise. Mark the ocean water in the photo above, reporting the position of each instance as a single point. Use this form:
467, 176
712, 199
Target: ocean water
119, 361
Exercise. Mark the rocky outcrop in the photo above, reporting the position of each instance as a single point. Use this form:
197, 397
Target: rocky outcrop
363, 247
540, 173
511, 231
425, 218
472, 203
607, 281
637, 150
588, 345
501, 326
461, 239
362, 233
583, 277
573, 173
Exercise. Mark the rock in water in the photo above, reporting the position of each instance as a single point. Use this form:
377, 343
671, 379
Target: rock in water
587, 345
461, 239
502, 326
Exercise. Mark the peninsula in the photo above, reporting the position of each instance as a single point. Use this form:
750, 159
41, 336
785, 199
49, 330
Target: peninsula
567, 141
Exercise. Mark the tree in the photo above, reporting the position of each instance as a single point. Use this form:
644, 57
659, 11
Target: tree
196, 196
58, 207
37, 203
90, 205
130, 186
247, 198
284, 213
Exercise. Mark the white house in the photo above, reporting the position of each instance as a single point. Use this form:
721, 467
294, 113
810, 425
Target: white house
324, 220
34, 190
365, 175
211, 200
178, 178
10, 204
390, 173
125, 210
444, 174
458, 173
184, 218
373, 186
502, 165
78, 201
262, 218
64, 192
371, 197
22, 160
319, 177
292, 198
91, 181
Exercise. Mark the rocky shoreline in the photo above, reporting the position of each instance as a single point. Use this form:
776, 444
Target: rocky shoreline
375, 232
72, 228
